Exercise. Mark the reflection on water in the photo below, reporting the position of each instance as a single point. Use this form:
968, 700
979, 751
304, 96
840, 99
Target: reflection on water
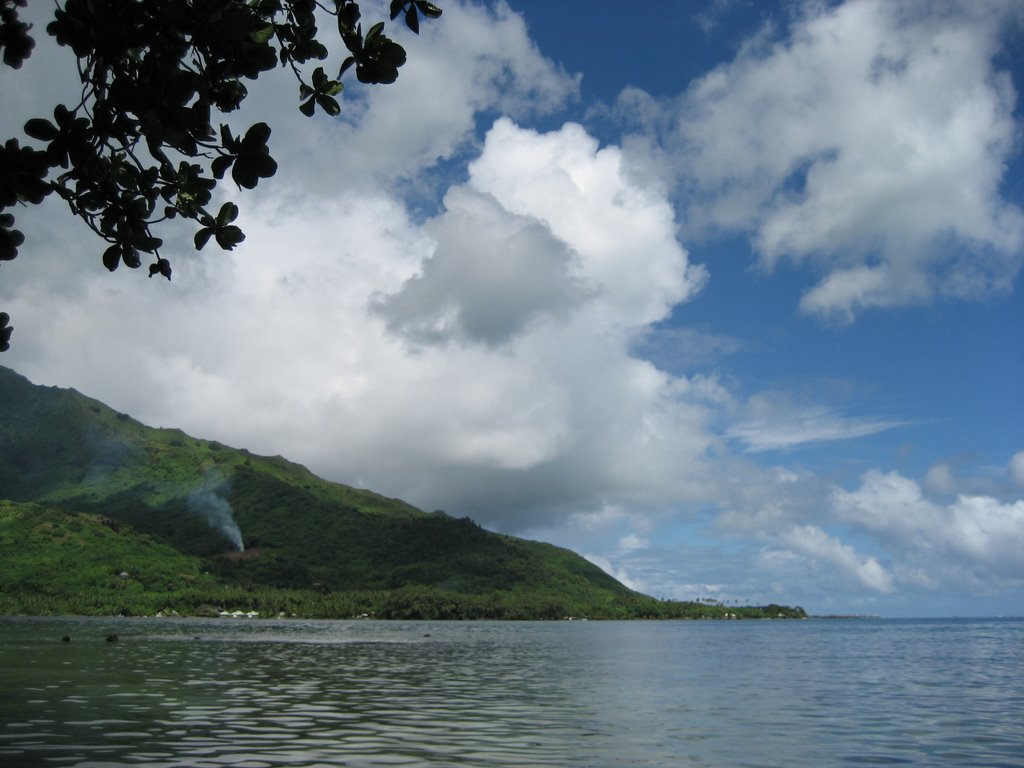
298, 693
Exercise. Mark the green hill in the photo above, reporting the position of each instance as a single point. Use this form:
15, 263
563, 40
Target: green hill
106, 515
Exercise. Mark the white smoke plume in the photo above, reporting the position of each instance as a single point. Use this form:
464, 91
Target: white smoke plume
207, 502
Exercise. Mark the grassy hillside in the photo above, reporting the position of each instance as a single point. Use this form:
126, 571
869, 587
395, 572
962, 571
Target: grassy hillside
196, 525
57, 562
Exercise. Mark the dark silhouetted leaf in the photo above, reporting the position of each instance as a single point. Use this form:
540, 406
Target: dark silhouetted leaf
160, 267
220, 165
329, 105
228, 237
262, 35
147, 243
41, 129
257, 135
203, 237
112, 257
131, 258
228, 213
375, 30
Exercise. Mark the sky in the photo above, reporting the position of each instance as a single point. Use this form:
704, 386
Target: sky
723, 295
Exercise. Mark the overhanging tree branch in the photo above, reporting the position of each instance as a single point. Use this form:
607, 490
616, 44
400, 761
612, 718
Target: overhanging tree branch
140, 148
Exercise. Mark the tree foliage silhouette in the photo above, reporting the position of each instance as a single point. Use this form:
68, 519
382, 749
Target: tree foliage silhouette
140, 148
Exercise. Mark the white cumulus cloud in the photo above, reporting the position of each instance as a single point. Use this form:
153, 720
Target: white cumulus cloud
479, 362
978, 538
815, 544
491, 273
870, 141
476, 58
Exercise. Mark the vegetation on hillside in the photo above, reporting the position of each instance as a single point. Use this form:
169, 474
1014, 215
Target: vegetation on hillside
107, 516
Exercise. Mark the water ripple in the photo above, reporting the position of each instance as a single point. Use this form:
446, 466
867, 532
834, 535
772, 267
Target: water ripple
209, 694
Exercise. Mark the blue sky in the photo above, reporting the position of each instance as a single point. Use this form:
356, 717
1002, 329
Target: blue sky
723, 295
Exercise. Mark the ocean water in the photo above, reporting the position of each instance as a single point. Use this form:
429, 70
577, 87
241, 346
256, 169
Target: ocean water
262, 693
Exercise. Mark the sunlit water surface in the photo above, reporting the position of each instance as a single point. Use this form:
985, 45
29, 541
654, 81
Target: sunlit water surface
205, 693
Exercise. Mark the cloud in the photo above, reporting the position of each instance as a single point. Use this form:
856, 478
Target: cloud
869, 142
773, 421
686, 348
975, 538
518, 401
885, 536
939, 479
1016, 468
585, 196
709, 18
815, 544
617, 572
492, 272
632, 541
545, 221
478, 59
